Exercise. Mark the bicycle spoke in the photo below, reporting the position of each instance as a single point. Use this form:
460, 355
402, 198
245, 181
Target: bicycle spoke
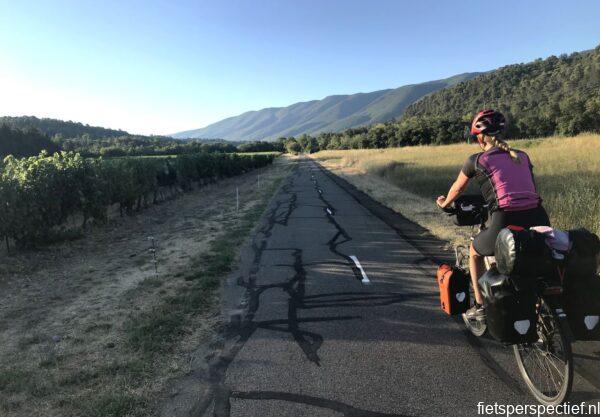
558, 371
537, 366
562, 362
547, 361
556, 384
551, 376
544, 370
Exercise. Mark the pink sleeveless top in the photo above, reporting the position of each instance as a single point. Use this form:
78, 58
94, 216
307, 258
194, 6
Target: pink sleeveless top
512, 181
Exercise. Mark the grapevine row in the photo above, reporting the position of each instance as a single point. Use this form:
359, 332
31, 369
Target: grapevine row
39, 194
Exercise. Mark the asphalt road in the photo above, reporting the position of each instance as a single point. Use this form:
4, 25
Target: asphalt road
342, 319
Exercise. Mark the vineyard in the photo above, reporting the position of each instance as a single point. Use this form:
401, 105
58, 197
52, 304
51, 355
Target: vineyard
41, 194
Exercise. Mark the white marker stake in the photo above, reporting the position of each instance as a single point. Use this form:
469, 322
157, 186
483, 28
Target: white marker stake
365, 279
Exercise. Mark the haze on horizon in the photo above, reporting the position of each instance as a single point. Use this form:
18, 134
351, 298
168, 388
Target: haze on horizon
159, 68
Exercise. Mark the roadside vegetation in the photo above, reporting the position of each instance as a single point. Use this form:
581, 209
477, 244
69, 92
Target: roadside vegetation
91, 328
42, 196
567, 172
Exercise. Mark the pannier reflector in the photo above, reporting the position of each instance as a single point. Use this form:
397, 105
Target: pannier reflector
522, 326
591, 321
460, 297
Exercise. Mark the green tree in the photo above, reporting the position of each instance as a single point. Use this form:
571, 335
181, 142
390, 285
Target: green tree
292, 146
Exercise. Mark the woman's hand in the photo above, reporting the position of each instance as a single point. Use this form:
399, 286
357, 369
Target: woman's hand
440, 201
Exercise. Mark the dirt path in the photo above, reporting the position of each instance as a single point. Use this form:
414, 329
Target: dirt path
63, 307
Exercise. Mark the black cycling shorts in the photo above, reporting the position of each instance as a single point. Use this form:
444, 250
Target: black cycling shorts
485, 241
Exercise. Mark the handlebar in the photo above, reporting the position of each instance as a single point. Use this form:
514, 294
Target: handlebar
448, 210
468, 209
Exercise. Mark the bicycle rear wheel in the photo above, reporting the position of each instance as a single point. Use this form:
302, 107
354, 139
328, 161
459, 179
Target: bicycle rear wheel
547, 365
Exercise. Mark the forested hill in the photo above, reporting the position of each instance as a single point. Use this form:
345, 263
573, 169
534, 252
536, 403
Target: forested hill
28, 135
557, 95
553, 96
52, 127
331, 114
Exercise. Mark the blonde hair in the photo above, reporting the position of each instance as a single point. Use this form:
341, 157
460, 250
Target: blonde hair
500, 144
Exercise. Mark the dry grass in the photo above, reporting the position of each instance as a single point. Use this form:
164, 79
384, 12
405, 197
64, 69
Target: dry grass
408, 179
88, 329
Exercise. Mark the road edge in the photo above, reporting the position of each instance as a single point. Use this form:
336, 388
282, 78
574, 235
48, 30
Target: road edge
233, 294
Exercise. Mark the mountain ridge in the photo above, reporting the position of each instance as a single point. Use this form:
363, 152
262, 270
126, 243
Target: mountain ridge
332, 113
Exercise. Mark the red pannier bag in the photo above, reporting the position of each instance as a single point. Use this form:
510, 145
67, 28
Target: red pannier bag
454, 289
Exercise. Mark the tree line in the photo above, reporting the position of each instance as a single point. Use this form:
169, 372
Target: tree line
39, 194
408, 131
24, 142
53, 127
136, 145
30, 141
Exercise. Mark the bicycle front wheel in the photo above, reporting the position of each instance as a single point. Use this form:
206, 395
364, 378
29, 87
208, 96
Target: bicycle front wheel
547, 364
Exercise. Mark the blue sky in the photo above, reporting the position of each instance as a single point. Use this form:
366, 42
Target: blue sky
164, 66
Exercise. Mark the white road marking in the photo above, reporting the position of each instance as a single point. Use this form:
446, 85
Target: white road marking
365, 279
329, 211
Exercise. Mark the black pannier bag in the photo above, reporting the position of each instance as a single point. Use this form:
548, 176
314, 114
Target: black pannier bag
582, 285
523, 255
510, 314
469, 210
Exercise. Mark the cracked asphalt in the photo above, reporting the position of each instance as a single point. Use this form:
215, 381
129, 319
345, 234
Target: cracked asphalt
318, 339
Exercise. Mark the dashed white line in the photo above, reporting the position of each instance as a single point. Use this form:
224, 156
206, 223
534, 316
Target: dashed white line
365, 279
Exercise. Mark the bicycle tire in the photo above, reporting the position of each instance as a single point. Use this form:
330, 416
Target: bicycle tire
564, 391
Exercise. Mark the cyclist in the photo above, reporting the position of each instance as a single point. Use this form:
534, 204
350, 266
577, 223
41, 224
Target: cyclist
505, 177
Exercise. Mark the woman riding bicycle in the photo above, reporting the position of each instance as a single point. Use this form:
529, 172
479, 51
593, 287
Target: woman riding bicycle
505, 177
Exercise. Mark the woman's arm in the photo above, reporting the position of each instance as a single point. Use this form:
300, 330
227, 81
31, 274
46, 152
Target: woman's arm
457, 188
